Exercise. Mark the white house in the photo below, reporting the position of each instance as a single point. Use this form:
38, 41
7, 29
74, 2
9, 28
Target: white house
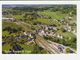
8, 19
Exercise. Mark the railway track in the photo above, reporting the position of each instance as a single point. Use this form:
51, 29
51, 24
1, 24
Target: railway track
44, 44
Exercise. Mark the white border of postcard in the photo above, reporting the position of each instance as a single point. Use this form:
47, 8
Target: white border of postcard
41, 56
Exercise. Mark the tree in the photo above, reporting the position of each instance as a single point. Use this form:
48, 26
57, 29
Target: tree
68, 50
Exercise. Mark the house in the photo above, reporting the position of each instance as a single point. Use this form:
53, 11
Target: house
8, 19
25, 33
60, 36
67, 28
41, 32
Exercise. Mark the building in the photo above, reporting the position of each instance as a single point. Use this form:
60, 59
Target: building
8, 19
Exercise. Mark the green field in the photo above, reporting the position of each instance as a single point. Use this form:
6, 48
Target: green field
55, 15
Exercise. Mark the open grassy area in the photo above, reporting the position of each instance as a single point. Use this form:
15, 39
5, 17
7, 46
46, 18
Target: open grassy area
55, 15
5, 33
48, 21
18, 17
27, 48
6, 47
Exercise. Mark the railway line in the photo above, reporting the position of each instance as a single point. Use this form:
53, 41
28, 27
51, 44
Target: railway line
44, 44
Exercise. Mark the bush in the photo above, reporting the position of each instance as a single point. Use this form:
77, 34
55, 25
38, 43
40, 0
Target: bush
68, 50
